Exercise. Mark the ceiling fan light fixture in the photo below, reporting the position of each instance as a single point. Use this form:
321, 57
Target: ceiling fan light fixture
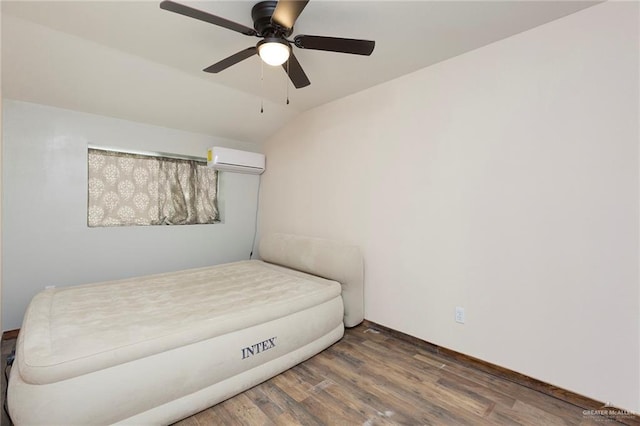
274, 51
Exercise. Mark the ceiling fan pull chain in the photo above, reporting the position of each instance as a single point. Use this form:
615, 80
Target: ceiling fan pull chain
287, 81
261, 87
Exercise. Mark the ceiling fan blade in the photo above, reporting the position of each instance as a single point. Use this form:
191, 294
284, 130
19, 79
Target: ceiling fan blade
296, 73
287, 11
335, 44
232, 60
172, 6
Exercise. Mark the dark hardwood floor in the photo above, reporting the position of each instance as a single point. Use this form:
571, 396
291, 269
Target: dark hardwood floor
7, 346
372, 377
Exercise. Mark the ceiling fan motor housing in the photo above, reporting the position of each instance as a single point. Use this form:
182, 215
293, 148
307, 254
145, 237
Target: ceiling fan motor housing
261, 14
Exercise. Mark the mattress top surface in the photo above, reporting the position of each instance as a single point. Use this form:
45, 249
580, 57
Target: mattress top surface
75, 330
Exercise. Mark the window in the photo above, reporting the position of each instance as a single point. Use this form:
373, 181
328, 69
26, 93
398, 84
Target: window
131, 189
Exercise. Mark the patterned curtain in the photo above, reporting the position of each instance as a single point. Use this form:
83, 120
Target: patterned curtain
128, 189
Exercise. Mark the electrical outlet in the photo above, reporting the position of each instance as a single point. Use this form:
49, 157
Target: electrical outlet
459, 314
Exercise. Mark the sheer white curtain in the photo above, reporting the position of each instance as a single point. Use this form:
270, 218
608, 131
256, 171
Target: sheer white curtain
130, 189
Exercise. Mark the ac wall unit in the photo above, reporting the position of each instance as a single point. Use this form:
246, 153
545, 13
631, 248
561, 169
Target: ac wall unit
233, 160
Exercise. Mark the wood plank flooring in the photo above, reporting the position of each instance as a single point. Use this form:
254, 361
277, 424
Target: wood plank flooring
5, 350
372, 377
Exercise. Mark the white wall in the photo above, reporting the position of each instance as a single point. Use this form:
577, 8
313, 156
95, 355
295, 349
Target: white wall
45, 236
504, 181
1, 178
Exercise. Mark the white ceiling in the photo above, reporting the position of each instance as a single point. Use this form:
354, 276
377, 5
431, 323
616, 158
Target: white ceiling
133, 60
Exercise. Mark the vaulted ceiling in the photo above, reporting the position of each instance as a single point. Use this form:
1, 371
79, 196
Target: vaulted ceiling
133, 60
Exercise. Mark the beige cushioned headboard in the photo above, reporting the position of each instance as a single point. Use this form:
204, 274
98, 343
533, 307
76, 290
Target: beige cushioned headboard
325, 258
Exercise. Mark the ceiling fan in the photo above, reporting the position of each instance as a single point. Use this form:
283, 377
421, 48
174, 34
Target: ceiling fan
273, 22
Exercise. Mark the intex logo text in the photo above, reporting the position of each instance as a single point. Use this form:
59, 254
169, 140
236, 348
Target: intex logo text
258, 347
